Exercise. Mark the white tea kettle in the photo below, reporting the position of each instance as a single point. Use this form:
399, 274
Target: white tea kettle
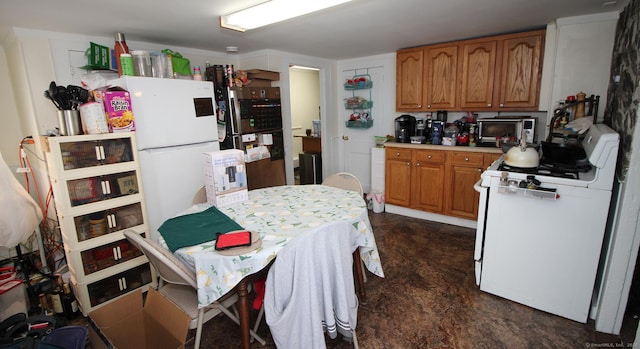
522, 156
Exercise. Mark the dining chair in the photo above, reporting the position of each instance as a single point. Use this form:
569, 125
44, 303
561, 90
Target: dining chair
344, 180
310, 289
348, 181
200, 196
178, 284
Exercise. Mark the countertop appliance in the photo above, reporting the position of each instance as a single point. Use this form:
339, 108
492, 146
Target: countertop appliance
175, 124
539, 244
405, 126
249, 117
492, 129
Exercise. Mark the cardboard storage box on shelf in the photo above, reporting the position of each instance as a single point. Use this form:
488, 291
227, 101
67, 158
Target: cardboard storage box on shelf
225, 177
262, 78
126, 324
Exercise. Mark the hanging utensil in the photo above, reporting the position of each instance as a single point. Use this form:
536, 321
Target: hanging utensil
52, 95
62, 98
48, 96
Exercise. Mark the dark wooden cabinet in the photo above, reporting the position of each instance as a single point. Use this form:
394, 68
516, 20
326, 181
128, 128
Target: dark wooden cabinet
265, 173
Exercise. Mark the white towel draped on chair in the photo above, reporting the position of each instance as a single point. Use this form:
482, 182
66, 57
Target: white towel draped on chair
310, 289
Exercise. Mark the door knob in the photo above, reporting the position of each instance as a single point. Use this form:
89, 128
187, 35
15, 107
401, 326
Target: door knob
346, 138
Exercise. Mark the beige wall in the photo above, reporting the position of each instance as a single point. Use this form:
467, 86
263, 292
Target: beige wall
11, 130
305, 101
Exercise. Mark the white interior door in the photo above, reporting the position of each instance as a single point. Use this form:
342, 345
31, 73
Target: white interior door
357, 142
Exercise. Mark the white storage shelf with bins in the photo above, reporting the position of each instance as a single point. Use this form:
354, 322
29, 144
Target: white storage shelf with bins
98, 194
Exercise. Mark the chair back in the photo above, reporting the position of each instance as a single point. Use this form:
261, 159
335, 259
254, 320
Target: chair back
344, 180
201, 196
170, 268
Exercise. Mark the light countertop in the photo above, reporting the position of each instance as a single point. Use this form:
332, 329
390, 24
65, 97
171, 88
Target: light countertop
444, 147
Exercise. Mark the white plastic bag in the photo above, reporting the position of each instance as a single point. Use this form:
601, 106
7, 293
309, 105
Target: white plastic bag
20, 215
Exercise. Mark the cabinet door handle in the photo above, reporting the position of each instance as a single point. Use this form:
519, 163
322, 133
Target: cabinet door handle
480, 170
429, 157
408, 164
111, 220
117, 254
501, 105
100, 153
419, 105
106, 187
397, 154
122, 283
417, 164
466, 159
428, 105
489, 105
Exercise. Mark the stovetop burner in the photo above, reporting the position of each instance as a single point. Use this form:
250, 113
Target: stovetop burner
547, 170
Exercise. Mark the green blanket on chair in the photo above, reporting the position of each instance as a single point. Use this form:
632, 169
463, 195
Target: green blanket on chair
196, 228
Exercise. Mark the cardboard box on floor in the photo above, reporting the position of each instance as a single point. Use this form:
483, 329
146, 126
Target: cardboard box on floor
126, 324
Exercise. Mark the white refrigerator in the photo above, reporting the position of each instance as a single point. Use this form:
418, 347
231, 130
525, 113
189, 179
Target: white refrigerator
175, 123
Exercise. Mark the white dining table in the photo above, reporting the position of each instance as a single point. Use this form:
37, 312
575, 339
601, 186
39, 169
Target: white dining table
278, 215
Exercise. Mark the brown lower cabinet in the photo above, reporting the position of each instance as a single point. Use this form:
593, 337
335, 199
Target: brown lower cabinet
435, 178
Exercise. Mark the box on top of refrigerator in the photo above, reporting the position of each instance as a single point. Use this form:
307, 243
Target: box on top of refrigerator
117, 106
225, 177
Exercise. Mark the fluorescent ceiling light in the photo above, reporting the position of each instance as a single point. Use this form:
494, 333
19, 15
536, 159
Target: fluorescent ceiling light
273, 11
304, 68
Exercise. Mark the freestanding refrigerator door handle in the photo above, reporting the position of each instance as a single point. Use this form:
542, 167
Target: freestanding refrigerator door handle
234, 109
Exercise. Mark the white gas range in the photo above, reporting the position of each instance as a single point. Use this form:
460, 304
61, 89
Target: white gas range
540, 246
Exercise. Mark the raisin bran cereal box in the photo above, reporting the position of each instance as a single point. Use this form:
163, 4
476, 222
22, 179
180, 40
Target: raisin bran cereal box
117, 106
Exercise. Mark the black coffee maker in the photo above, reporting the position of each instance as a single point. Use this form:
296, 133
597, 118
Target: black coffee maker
405, 128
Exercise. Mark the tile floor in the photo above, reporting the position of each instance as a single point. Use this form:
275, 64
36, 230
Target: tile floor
428, 299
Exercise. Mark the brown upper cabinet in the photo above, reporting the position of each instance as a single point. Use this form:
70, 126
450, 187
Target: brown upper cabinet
441, 76
409, 79
498, 73
478, 70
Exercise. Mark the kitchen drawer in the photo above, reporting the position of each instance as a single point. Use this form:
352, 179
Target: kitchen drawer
466, 158
398, 154
429, 155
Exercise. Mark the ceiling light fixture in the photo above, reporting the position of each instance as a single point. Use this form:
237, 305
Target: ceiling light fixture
303, 67
273, 11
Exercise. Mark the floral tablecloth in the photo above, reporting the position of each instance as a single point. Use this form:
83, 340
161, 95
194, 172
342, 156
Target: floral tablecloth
278, 214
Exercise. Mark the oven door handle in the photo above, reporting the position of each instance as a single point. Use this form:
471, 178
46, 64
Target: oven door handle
478, 187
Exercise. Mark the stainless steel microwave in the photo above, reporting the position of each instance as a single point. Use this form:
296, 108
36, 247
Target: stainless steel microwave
491, 129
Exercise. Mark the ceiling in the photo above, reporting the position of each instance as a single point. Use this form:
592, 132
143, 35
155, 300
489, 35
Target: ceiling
356, 29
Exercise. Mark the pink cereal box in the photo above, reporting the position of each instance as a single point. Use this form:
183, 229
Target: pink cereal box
117, 106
